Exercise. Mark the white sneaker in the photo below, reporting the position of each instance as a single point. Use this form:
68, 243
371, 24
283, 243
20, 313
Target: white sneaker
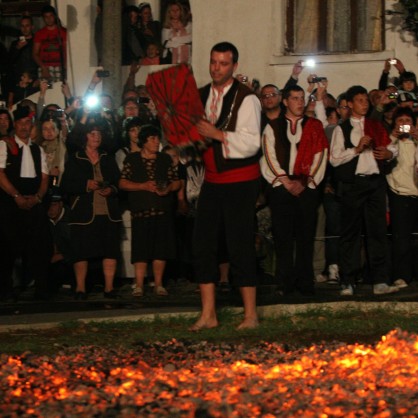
347, 290
383, 289
401, 283
333, 274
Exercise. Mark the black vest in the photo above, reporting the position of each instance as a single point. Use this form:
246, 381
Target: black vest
227, 120
282, 144
25, 186
143, 200
346, 172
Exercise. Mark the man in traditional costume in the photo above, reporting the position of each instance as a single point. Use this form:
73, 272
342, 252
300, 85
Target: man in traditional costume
229, 192
359, 148
294, 161
24, 229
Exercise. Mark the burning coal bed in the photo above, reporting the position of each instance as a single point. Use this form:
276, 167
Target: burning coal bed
181, 379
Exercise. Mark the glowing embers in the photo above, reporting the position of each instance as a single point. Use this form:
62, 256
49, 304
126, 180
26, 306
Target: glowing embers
180, 379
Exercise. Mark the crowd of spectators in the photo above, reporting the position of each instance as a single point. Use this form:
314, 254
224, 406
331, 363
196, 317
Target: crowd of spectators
33, 57
370, 187
89, 162
148, 42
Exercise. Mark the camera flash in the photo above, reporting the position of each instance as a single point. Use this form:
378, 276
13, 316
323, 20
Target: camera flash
310, 63
92, 101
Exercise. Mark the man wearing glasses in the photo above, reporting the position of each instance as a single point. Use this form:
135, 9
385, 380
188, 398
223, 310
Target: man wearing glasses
271, 96
270, 103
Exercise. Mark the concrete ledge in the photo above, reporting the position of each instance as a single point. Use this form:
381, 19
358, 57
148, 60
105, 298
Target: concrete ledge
277, 310
45, 321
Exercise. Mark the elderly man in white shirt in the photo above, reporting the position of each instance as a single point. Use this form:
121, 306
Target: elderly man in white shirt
23, 220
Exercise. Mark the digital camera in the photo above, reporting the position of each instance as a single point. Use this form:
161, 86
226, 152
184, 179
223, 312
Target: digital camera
405, 128
102, 73
318, 79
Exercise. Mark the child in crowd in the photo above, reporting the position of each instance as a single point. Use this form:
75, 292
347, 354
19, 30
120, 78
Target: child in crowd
27, 86
408, 83
153, 55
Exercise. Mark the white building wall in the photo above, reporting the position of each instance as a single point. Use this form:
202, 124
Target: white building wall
256, 28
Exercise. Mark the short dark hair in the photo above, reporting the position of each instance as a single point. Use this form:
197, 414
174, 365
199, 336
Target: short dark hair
270, 86
131, 8
329, 111
354, 91
48, 9
25, 17
286, 92
407, 76
147, 131
340, 98
403, 111
225, 47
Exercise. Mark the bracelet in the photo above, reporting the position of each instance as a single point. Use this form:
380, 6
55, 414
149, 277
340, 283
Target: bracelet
16, 195
39, 197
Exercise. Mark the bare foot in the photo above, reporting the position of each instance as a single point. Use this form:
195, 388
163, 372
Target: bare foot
203, 323
248, 323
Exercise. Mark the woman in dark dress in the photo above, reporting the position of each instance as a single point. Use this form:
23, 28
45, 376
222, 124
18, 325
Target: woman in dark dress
90, 179
150, 177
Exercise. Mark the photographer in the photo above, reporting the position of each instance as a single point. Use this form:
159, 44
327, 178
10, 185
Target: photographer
359, 148
317, 98
20, 54
403, 195
88, 110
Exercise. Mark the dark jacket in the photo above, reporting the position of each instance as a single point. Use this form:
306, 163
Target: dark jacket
21, 60
78, 170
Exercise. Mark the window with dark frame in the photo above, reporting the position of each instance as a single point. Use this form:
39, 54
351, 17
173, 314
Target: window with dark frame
22, 7
334, 26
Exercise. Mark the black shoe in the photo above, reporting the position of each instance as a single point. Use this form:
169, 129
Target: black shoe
80, 296
111, 295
